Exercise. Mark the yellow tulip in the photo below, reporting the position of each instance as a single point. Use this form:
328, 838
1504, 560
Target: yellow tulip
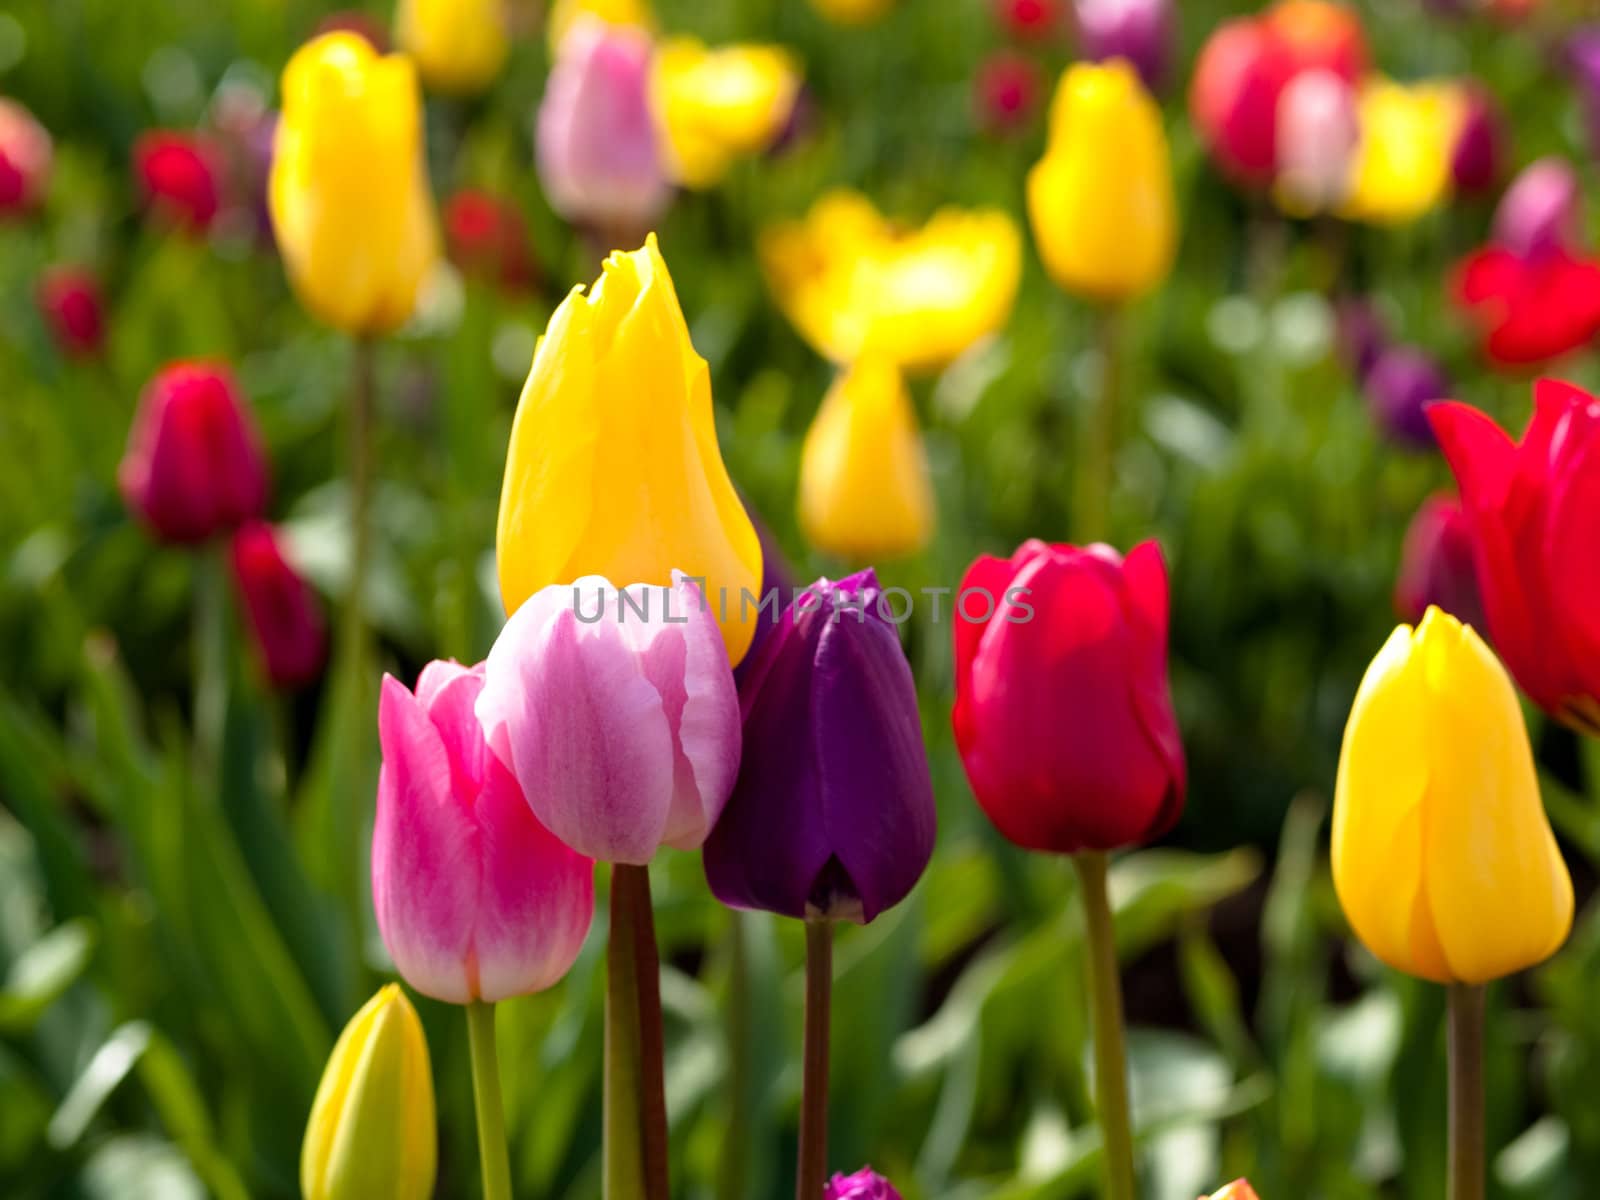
1443, 859
564, 15
853, 12
459, 45
1402, 167
1101, 199
864, 488
714, 106
614, 467
852, 284
372, 1131
349, 190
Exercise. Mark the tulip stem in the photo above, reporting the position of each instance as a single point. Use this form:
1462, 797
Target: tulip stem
1110, 1046
813, 1172
362, 399
211, 659
492, 1150
1096, 476
634, 1136
1466, 1092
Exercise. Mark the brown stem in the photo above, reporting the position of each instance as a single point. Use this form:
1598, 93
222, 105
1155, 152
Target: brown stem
1467, 1147
814, 1094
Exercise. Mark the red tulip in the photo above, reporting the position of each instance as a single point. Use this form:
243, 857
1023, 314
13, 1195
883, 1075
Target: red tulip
1436, 565
487, 236
69, 298
194, 466
25, 154
281, 610
1533, 514
1233, 97
179, 178
1529, 310
1482, 146
1031, 19
1008, 90
1063, 715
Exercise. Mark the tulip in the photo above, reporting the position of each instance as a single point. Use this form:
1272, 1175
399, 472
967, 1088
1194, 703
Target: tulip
1482, 147
70, 301
1529, 310
853, 12
1031, 20
865, 1184
1318, 35
1142, 31
1542, 210
600, 158
567, 14
459, 45
715, 106
25, 157
349, 190
1063, 715
613, 466
1402, 383
487, 237
372, 1130
616, 712
853, 284
1007, 86
1239, 1189
179, 178
195, 466
1101, 200
1442, 857
1233, 98
281, 610
1531, 511
832, 816
777, 582
864, 487
1408, 137
475, 899
1436, 565
1316, 140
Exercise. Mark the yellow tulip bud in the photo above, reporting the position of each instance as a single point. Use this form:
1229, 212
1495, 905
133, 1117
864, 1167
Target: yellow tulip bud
1442, 856
864, 488
565, 13
853, 12
614, 467
459, 45
1402, 167
372, 1124
349, 190
1101, 198
715, 105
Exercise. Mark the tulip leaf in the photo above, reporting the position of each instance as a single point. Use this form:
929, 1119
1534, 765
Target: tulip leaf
43, 972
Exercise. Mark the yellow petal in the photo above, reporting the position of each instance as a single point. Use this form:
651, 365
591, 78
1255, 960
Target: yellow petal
853, 12
564, 14
1402, 167
714, 106
459, 45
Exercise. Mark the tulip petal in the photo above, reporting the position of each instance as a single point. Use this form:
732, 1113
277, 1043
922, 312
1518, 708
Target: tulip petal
1571, 551
1478, 451
991, 577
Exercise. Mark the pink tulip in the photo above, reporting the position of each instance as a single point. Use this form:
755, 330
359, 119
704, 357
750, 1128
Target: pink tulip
1542, 210
1317, 136
475, 899
616, 711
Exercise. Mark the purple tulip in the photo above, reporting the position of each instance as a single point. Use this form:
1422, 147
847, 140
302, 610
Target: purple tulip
777, 579
1400, 386
1437, 565
1481, 147
1541, 211
865, 1184
1141, 31
832, 815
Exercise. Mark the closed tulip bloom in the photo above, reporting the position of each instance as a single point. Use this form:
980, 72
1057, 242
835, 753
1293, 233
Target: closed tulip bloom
1542, 210
1402, 168
1442, 857
194, 466
179, 177
599, 154
613, 467
1403, 381
281, 611
25, 157
1063, 714
1233, 98
1101, 200
459, 45
1436, 565
349, 190
1007, 89
864, 486
865, 1184
1483, 145
1533, 511
833, 814
565, 15
1317, 137
616, 712
476, 900
372, 1129
716, 106
853, 12
1142, 31
1239, 1189
69, 299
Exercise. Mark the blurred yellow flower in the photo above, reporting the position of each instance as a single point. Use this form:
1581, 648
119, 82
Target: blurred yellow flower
1442, 856
715, 105
853, 12
459, 45
349, 191
864, 487
1402, 167
853, 284
565, 13
1101, 200
614, 467
372, 1130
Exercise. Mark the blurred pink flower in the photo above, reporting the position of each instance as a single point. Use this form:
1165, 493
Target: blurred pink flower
25, 157
69, 298
1317, 135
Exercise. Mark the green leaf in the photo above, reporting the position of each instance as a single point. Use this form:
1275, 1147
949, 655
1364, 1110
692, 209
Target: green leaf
43, 972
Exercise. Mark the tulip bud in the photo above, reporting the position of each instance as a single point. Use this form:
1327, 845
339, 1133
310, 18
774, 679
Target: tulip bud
1436, 565
865, 1184
69, 298
25, 157
1542, 210
715, 106
459, 45
1442, 857
1318, 35
599, 154
179, 178
1317, 139
476, 900
349, 189
1482, 147
194, 466
853, 12
864, 487
566, 15
487, 237
1402, 383
281, 610
613, 466
1233, 98
1532, 510
1031, 20
372, 1130
616, 712
1408, 138
1239, 1189
833, 814
1063, 715
1142, 31
1101, 199
1008, 87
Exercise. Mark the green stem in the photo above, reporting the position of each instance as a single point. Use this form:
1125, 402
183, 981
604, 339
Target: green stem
1467, 1148
492, 1150
1110, 1049
813, 1171
634, 1135
362, 401
211, 658
1098, 439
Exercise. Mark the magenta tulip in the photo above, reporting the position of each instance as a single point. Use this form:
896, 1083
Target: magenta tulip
1436, 566
1542, 210
281, 610
865, 1184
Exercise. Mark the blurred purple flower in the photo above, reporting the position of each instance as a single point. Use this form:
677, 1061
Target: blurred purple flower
1482, 147
1436, 565
1360, 335
1400, 386
1142, 31
865, 1184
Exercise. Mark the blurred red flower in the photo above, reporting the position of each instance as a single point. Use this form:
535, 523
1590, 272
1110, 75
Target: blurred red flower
1532, 309
25, 155
69, 298
1008, 86
488, 237
1031, 19
179, 178
282, 612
